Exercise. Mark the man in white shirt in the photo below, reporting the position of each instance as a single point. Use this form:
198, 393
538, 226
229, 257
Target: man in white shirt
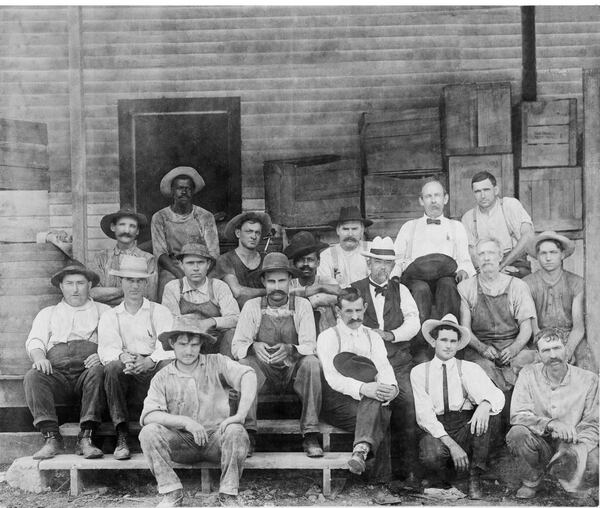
456, 403
342, 261
360, 383
62, 345
129, 348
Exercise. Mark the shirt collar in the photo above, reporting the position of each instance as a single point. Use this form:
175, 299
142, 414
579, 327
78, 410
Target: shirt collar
202, 289
86, 306
436, 362
425, 217
120, 309
565, 381
172, 369
129, 251
345, 329
373, 283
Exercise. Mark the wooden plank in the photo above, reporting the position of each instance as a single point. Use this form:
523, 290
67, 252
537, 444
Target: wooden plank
22, 229
12, 394
19, 131
29, 252
23, 203
23, 178
30, 156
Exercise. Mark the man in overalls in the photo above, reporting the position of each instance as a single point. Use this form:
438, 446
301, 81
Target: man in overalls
498, 310
62, 345
208, 300
502, 218
129, 348
179, 223
276, 337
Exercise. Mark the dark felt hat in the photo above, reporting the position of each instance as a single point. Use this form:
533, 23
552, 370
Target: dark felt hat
355, 366
239, 219
125, 211
278, 261
350, 214
195, 249
303, 243
430, 267
74, 267
184, 324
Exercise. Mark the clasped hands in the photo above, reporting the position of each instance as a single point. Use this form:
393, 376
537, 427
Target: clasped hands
197, 430
136, 363
504, 356
379, 391
276, 354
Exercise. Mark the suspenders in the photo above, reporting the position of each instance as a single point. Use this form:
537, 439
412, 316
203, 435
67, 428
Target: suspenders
411, 239
339, 338
510, 233
335, 258
460, 376
152, 327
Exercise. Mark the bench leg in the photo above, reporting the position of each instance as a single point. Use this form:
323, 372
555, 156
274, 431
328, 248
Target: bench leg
327, 482
326, 442
75, 481
205, 480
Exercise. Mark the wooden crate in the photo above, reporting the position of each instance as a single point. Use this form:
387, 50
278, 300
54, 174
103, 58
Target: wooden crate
477, 119
547, 133
401, 141
460, 171
310, 191
23, 213
553, 197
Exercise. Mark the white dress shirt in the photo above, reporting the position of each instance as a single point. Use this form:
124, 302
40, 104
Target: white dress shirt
351, 265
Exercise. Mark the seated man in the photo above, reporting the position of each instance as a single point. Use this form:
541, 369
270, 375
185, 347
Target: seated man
558, 296
62, 345
128, 347
457, 405
208, 300
186, 416
498, 310
360, 383
239, 267
554, 413
276, 337
321, 291
392, 313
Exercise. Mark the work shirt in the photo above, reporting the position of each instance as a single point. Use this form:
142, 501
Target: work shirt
62, 323
411, 325
363, 342
202, 395
477, 384
344, 266
222, 294
121, 331
574, 402
249, 324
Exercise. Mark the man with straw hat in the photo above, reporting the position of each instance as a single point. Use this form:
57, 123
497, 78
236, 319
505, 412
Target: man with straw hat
457, 405
186, 416
129, 348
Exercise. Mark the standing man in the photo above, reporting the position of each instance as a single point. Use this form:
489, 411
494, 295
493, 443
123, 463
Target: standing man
554, 413
342, 261
208, 300
456, 404
129, 348
276, 337
179, 223
239, 267
62, 345
304, 251
124, 226
501, 218
558, 295
186, 416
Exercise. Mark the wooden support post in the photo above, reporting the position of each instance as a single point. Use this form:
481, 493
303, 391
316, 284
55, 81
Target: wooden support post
75, 481
327, 481
528, 68
205, 480
326, 441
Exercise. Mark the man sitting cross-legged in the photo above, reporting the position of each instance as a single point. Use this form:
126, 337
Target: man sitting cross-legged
186, 416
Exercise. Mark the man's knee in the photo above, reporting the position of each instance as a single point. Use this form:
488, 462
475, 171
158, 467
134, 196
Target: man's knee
113, 369
310, 365
32, 378
519, 438
95, 374
419, 288
432, 453
150, 434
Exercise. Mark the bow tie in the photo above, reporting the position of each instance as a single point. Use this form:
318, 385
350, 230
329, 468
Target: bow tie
434, 221
379, 290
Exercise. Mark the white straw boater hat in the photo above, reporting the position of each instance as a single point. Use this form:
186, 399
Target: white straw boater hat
132, 267
464, 335
381, 248
167, 180
568, 245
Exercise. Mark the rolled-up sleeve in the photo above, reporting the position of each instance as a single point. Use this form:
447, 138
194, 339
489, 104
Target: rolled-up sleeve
411, 325
305, 325
247, 328
163, 322
425, 414
39, 334
480, 387
156, 400
327, 348
230, 310
157, 230
171, 295
232, 371
463, 257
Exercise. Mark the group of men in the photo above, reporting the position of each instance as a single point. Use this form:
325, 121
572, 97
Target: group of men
366, 334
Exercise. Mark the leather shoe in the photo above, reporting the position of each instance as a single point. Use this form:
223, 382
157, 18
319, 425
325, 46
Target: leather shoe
171, 499
228, 500
526, 492
86, 447
121, 450
252, 446
311, 446
53, 445
475, 491
357, 463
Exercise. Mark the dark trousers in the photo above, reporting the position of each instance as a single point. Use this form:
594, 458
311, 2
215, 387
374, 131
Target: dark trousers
403, 422
125, 393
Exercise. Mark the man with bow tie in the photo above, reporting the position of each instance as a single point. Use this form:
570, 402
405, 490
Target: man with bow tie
433, 256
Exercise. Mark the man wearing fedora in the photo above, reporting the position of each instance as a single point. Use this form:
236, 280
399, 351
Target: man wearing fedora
239, 267
342, 261
360, 384
558, 295
304, 252
554, 413
186, 416
124, 226
208, 300
62, 345
129, 348
181, 222
433, 257
276, 337
457, 405
392, 313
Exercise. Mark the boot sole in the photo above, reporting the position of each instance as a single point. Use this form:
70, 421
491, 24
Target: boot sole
356, 467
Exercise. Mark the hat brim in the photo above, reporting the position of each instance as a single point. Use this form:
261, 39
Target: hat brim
294, 272
57, 278
568, 244
431, 324
165, 336
167, 180
233, 224
293, 253
383, 257
366, 222
109, 219
129, 274
180, 256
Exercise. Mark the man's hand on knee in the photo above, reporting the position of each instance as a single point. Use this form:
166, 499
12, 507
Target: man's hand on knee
197, 430
229, 420
43, 365
562, 431
91, 361
480, 419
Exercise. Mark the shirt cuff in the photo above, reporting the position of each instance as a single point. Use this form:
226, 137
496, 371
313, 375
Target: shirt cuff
437, 430
35, 344
242, 350
305, 349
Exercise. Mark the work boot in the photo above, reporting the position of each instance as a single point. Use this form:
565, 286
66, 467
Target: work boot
252, 445
86, 447
475, 491
357, 463
228, 500
526, 492
311, 445
121, 450
53, 445
171, 499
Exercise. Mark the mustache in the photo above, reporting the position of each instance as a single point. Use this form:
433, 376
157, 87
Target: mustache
305, 267
349, 239
125, 234
278, 292
355, 321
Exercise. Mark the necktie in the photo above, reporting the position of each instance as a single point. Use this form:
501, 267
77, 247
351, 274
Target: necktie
379, 290
434, 221
445, 389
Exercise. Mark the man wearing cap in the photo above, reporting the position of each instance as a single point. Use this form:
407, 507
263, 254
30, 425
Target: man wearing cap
276, 337
186, 416
498, 310
456, 403
181, 222
124, 226
392, 313
558, 295
433, 257
304, 251
208, 300
129, 348
62, 345
239, 267
502, 218
360, 384
554, 413
342, 261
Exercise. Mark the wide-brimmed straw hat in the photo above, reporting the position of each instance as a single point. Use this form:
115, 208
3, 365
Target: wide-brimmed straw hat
195, 249
238, 220
275, 262
381, 248
567, 244
126, 211
73, 268
303, 243
464, 335
167, 180
132, 267
350, 214
184, 324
